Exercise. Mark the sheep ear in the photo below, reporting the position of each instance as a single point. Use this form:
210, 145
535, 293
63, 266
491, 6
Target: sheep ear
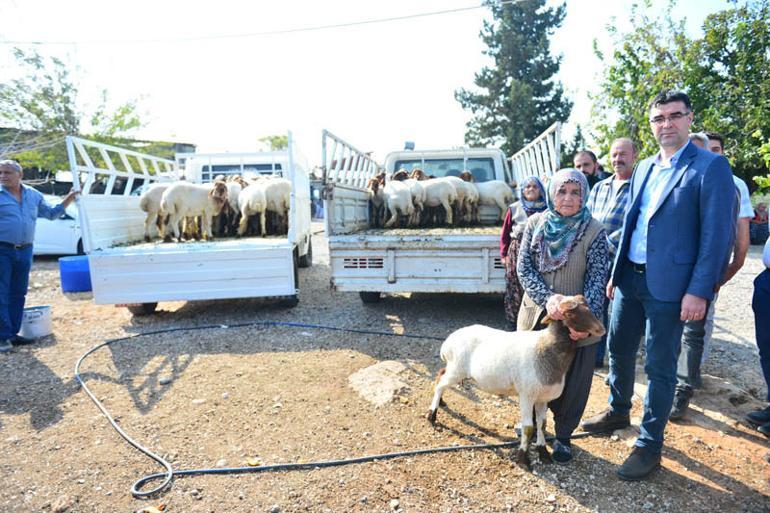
546, 320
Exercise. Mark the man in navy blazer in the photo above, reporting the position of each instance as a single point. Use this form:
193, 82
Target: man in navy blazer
676, 238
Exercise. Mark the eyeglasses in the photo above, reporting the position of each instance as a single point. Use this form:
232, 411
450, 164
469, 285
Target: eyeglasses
671, 118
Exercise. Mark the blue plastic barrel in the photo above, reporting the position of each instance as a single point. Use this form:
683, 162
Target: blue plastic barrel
75, 274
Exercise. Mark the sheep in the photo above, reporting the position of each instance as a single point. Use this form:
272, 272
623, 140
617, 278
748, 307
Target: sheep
149, 202
278, 201
530, 364
182, 199
417, 192
495, 193
226, 222
438, 192
252, 201
398, 199
376, 202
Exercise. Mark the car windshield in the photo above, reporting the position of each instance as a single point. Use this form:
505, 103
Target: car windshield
483, 169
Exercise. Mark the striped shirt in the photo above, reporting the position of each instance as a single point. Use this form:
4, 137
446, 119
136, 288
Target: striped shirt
607, 204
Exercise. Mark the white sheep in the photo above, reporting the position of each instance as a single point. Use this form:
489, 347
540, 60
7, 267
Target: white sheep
182, 199
495, 193
417, 192
278, 200
149, 202
530, 364
398, 199
252, 201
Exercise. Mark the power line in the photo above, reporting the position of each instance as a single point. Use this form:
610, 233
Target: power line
262, 33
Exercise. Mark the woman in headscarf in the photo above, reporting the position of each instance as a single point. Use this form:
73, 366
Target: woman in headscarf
532, 201
564, 252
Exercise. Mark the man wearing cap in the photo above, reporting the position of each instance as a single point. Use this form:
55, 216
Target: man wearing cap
20, 206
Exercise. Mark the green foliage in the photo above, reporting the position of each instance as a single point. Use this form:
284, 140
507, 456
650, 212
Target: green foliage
276, 142
41, 107
568, 151
517, 99
726, 73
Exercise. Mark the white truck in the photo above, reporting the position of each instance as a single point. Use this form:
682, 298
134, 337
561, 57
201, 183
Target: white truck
463, 259
127, 271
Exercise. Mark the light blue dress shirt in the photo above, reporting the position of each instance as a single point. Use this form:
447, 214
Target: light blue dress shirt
17, 220
660, 174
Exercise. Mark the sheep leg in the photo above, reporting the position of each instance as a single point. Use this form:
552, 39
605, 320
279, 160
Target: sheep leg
393, 219
503, 207
206, 222
444, 380
173, 221
152, 218
243, 225
262, 215
448, 209
527, 430
542, 450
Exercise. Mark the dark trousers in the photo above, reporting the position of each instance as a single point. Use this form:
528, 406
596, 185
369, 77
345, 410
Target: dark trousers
601, 349
14, 279
760, 303
634, 312
570, 405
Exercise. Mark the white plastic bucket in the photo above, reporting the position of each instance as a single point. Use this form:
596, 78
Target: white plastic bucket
36, 322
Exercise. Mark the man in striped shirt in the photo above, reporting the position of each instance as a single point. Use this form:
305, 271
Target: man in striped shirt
607, 204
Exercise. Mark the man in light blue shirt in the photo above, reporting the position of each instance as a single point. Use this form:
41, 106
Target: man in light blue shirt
677, 232
20, 206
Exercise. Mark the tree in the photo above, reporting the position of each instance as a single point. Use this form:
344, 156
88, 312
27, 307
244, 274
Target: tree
518, 98
726, 73
568, 151
42, 107
645, 61
276, 142
728, 79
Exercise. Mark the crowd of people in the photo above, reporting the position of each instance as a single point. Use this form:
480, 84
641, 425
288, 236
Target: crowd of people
649, 247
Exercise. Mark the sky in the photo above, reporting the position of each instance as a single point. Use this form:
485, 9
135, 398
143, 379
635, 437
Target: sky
375, 85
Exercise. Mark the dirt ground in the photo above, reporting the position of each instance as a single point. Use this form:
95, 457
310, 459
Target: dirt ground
219, 397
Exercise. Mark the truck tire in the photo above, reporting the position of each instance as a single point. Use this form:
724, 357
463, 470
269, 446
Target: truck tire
370, 297
290, 301
306, 260
143, 309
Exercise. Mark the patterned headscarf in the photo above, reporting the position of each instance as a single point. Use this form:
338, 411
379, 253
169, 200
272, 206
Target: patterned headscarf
555, 235
530, 207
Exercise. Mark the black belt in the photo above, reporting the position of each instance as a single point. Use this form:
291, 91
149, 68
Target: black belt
15, 246
639, 268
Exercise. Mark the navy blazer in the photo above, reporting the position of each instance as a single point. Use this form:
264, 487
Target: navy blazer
690, 233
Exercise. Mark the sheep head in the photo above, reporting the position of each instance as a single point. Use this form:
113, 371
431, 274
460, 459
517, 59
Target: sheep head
579, 317
373, 185
218, 194
467, 176
400, 175
419, 174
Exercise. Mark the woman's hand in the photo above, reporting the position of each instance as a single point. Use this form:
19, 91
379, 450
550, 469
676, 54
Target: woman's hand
552, 307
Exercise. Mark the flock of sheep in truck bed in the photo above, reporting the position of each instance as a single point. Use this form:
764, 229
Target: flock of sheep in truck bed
235, 206
416, 200
259, 205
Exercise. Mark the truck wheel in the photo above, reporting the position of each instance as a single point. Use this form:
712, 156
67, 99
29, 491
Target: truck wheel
370, 297
290, 301
142, 309
306, 260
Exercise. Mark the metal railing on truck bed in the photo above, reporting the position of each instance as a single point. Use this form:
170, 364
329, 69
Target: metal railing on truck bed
103, 173
540, 157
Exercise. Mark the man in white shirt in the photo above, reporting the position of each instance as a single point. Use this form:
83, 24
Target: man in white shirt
696, 337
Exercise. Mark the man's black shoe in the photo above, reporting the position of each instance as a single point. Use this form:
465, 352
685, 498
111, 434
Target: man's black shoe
639, 464
18, 340
759, 417
606, 421
765, 429
681, 404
